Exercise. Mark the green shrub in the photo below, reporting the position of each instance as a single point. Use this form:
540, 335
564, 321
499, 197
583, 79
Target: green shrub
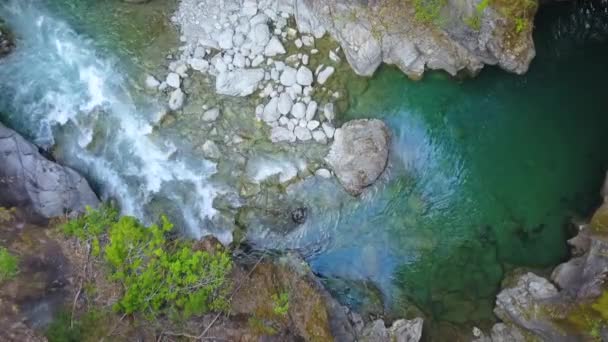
158, 275
9, 265
93, 325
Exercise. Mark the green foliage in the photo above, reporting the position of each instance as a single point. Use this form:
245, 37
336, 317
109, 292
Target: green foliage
474, 21
280, 303
91, 226
158, 275
9, 265
428, 11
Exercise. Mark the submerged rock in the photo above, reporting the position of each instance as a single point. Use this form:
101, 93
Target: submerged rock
359, 153
240, 82
43, 188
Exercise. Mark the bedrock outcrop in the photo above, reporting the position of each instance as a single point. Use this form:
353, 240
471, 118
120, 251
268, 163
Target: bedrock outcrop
43, 188
453, 35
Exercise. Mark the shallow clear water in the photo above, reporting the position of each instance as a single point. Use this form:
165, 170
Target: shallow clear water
485, 174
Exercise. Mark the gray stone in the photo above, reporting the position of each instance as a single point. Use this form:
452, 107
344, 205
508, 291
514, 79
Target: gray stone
298, 110
151, 82
211, 114
311, 110
304, 76
241, 82
302, 133
325, 74
274, 47
271, 112
173, 80
282, 134
288, 76
285, 103
359, 154
210, 150
176, 99
41, 187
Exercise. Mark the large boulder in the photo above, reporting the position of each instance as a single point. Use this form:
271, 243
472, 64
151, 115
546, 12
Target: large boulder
41, 187
359, 153
241, 82
457, 36
401, 331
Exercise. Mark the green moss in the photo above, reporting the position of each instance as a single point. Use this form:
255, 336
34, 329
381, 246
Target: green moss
280, 303
586, 319
428, 11
6, 215
93, 325
9, 265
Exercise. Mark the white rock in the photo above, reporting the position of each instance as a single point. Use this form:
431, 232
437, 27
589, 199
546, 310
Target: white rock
304, 76
176, 100
281, 134
199, 52
319, 137
334, 56
308, 41
325, 74
163, 85
238, 39
211, 115
292, 59
288, 76
238, 60
313, 124
328, 111
298, 110
210, 150
291, 126
292, 33
274, 75
314, 51
302, 133
285, 103
274, 47
323, 173
328, 129
259, 59
302, 123
250, 8
199, 64
173, 80
283, 121
241, 82
279, 65
308, 91
259, 18
224, 39
305, 59
151, 82
298, 43
311, 110
271, 112
260, 35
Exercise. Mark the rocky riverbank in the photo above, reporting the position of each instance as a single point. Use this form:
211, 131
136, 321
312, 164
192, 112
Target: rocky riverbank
571, 305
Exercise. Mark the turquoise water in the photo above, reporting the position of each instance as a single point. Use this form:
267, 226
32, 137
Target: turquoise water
485, 174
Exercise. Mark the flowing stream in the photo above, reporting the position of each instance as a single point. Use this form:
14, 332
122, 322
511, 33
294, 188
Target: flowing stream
485, 174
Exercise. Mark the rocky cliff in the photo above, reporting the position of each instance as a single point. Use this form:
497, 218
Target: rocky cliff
41, 187
416, 35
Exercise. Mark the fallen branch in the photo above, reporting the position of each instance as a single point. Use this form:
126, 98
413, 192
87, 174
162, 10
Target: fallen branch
82, 279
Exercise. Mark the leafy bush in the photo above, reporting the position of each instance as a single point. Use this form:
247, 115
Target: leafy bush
8, 265
158, 275
93, 325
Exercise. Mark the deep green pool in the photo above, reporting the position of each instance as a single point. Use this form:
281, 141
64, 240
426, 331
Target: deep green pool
487, 173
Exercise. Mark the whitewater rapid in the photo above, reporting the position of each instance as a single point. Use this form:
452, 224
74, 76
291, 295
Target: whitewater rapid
60, 90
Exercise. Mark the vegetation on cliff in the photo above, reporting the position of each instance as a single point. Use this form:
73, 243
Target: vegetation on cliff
158, 274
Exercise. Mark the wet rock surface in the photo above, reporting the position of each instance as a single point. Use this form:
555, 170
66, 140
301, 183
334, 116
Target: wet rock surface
7, 43
359, 153
31, 181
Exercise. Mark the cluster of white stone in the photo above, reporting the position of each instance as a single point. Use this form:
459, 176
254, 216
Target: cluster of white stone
242, 44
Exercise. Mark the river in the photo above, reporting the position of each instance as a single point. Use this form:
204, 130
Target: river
485, 175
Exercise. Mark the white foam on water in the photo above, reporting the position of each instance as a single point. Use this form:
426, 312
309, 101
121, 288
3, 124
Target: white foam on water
56, 78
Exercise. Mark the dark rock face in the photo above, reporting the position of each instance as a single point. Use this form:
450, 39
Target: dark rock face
6, 41
41, 187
